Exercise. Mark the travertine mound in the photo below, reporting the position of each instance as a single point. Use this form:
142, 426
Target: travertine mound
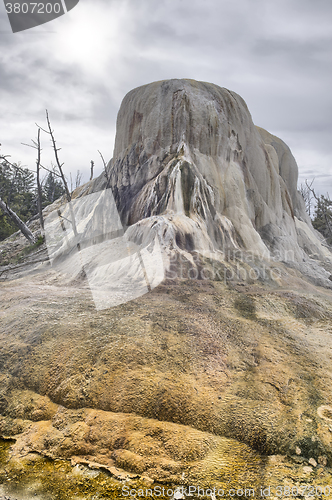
220, 382
189, 162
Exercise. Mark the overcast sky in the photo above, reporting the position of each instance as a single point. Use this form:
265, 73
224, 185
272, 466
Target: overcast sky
276, 54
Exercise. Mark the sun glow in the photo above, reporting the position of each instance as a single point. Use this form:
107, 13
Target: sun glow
91, 36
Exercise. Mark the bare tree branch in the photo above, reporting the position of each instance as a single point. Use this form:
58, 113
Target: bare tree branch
322, 207
60, 165
107, 175
55, 149
307, 195
4, 158
78, 179
50, 171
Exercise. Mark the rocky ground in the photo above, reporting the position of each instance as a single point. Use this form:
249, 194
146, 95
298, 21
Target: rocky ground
220, 383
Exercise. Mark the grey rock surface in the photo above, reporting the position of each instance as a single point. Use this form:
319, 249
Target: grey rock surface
189, 162
190, 166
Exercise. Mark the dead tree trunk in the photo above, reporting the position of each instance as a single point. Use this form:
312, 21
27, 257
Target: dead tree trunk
17, 221
107, 174
322, 207
39, 188
36, 145
91, 171
59, 165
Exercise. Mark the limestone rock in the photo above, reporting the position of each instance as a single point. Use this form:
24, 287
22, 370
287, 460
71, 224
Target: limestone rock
189, 163
201, 381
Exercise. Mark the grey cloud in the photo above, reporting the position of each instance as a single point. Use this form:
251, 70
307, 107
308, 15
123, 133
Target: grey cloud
300, 52
276, 55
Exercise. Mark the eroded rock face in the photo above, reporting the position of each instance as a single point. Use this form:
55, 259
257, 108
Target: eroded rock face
189, 162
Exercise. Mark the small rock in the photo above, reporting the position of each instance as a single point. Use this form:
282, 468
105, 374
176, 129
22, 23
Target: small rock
147, 480
178, 495
322, 460
307, 469
312, 462
298, 450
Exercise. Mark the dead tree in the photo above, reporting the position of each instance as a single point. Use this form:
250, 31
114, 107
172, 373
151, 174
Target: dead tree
17, 221
91, 170
62, 175
36, 145
4, 206
107, 174
322, 207
306, 192
78, 179
39, 188
58, 164
71, 183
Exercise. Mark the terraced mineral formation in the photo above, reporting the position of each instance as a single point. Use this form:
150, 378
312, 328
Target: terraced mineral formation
189, 163
221, 382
